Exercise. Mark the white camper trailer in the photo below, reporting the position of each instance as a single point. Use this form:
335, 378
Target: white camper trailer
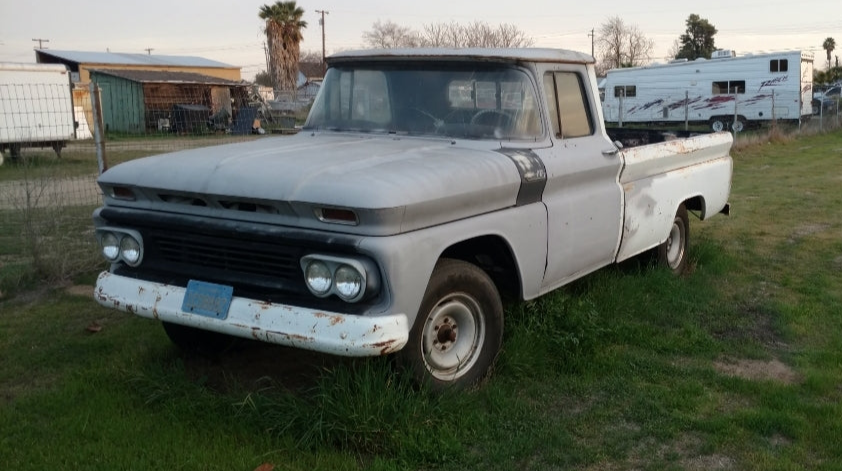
723, 91
36, 107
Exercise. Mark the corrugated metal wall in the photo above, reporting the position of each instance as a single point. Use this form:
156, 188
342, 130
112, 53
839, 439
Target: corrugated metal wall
122, 104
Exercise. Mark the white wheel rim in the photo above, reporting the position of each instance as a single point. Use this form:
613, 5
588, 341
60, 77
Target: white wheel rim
675, 246
453, 335
738, 126
717, 126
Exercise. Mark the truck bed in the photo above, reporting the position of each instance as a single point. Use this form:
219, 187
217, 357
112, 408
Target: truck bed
631, 137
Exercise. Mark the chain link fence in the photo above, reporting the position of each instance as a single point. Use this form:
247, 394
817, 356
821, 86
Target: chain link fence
55, 140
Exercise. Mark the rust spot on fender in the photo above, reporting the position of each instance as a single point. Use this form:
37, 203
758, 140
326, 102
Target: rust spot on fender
292, 337
334, 319
385, 347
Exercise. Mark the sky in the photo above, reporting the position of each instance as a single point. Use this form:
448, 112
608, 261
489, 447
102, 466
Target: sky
231, 31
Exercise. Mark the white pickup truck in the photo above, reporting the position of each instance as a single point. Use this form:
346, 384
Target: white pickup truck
425, 184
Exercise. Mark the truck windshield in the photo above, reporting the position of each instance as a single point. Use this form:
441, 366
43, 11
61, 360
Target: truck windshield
428, 99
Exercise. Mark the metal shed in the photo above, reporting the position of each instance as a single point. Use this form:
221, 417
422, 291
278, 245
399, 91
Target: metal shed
141, 101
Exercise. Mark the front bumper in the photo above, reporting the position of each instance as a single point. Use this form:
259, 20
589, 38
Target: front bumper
328, 332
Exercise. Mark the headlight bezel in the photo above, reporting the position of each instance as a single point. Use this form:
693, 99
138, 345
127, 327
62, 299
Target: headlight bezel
121, 235
364, 269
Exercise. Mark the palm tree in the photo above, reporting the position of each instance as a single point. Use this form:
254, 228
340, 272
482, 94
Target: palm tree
283, 33
829, 45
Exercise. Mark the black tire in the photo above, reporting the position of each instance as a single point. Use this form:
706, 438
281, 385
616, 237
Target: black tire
718, 124
672, 254
458, 331
739, 125
203, 342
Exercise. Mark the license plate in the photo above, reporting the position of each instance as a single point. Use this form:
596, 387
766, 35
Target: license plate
207, 299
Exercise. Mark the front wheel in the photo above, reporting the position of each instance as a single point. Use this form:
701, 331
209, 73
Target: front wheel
458, 331
673, 252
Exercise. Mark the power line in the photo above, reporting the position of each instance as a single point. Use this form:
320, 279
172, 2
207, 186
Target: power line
149, 50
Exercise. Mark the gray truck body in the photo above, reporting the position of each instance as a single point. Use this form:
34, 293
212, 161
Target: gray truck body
532, 206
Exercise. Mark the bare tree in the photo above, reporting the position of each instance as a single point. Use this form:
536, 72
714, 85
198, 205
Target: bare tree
390, 35
639, 47
673, 51
610, 39
622, 45
476, 34
508, 35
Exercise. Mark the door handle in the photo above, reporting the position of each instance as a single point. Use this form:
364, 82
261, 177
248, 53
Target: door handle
610, 152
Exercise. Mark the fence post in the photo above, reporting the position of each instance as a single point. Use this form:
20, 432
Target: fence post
620, 111
99, 128
775, 117
734, 124
686, 110
821, 113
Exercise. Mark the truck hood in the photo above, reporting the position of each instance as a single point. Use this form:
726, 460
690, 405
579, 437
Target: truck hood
393, 184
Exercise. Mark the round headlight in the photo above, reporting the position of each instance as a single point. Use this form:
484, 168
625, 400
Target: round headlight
349, 282
130, 250
318, 277
110, 246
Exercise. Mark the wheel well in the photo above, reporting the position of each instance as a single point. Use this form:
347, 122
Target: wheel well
494, 256
696, 203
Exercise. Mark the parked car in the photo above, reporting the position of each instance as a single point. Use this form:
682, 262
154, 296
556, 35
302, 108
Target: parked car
827, 101
427, 185
829, 92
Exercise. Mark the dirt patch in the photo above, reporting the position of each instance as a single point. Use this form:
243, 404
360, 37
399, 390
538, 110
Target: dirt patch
807, 230
707, 462
758, 370
756, 322
80, 290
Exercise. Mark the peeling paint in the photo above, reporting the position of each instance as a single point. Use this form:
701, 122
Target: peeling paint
385, 347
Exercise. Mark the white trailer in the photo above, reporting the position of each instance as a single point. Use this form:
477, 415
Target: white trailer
723, 91
36, 107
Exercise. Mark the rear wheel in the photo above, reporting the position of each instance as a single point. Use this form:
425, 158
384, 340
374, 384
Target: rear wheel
458, 330
673, 252
204, 342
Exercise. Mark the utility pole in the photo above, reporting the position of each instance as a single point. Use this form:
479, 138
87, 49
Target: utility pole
592, 39
41, 42
149, 50
322, 23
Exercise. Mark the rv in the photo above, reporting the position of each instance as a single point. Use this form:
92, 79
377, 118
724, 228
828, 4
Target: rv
36, 107
724, 91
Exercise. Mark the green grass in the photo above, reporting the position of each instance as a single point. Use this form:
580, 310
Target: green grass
627, 368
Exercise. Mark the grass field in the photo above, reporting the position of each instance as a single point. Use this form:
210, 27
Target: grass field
737, 366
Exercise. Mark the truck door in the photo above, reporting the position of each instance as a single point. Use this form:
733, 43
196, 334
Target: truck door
583, 195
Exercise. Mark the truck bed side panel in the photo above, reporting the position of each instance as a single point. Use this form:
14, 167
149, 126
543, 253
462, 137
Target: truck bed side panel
657, 178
